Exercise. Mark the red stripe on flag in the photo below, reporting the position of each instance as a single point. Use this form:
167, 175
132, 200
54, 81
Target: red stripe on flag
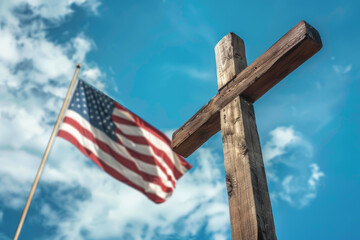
67, 136
122, 160
146, 126
123, 121
158, 152
139, 156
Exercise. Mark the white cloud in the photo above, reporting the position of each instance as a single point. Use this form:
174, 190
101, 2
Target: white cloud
35, 72
281, 138
50, 9
91, 199
315, 175
92, 76
285, 140
8, 47
198, 74
297, 191
87, 199
288, 149
198, 201
339, 69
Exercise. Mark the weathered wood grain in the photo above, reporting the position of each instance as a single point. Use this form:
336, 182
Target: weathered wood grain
293, 49
249, 202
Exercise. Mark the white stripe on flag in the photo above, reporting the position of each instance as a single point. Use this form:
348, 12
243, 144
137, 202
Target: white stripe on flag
113, 163
140, 132
123, 114
118, 148
145, 150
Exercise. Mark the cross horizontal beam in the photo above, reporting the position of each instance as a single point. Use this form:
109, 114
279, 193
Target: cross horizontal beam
288, 53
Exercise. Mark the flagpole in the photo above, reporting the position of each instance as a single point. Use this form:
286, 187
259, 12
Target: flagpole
54, 132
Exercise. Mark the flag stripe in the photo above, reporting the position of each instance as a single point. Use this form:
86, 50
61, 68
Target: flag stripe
144, 124
116, 160
69, 137
146, 154
152, 150
131, 148
137, 131
147, 182
125, 113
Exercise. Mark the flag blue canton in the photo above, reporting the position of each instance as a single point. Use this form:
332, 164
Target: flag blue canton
95, 107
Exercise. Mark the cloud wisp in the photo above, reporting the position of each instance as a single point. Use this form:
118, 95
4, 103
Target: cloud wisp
290, 168
205, 75
339, 69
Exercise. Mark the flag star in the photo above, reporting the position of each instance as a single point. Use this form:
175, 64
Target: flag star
78, 106
91, 116
84, 112
77, 99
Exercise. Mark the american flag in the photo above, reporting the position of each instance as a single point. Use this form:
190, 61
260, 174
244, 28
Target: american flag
121, 143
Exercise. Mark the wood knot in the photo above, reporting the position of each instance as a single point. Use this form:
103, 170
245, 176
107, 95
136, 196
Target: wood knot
237, 119
244, 149
229, 185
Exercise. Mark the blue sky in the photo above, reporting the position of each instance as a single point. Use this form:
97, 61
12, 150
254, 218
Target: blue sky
157, 59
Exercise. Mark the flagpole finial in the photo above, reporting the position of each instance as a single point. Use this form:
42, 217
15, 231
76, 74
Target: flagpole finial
78, 65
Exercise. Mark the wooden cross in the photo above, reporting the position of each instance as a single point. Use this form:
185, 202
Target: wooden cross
231, 110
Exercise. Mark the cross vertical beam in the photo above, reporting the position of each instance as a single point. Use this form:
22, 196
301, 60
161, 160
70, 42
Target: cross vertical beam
250, 208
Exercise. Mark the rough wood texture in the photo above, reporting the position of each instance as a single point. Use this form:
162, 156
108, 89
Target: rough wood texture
230, 58
249, 201
293, 49
250, 208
